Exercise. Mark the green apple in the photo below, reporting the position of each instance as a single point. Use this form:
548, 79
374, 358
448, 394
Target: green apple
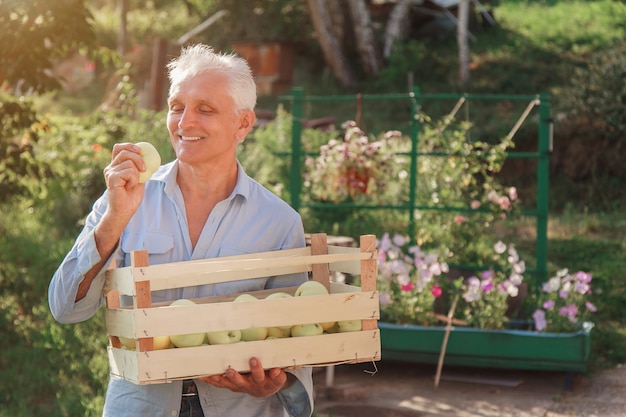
224, 337
186, 340
275, 295
279, 294
158, 342
278, 332
151, 158
311, 329
333, 329
328, 324
311, 288
349, 326
257, 333
127, 342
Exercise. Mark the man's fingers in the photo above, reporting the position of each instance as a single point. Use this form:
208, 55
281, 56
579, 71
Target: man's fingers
256, 371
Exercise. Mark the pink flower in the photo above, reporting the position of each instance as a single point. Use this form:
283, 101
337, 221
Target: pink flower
475, 204
459, 219
436, 291
407, 287
549, 305
540, 320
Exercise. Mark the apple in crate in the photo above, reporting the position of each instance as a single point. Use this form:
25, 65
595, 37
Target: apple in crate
224, 337
279, 331
186, 340
349, 326
311, 288
311, 329
314, 288
159, 342
257, 333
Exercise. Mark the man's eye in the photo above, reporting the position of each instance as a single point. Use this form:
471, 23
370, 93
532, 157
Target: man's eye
176, 109
205, 109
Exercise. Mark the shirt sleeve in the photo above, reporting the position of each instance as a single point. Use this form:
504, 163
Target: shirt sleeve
66, 279
298, 398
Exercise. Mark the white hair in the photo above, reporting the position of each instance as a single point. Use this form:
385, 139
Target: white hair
200, 58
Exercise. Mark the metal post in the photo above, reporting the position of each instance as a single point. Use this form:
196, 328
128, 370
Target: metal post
415, 127
296, 147
543, 182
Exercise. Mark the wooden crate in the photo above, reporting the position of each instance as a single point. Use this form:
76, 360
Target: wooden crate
145, 319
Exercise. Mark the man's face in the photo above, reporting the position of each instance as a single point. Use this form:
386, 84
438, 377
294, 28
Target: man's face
202, 120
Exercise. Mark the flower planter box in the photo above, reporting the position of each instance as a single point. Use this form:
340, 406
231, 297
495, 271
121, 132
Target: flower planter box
467, 346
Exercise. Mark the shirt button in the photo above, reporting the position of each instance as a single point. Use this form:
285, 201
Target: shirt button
174, 413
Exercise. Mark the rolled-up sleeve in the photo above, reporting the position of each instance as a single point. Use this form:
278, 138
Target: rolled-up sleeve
65, 281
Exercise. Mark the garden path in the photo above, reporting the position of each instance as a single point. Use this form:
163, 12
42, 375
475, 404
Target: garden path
407, 390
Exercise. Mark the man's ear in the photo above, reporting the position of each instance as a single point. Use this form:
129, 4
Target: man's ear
246, 123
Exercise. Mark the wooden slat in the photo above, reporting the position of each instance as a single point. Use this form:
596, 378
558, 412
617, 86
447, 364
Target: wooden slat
124, 364
347, 267
120, 279
143, 296
120, 322
320, 272
295, 352
263, 313
176, 275
369, 273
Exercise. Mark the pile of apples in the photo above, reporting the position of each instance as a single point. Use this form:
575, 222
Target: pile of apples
307, 288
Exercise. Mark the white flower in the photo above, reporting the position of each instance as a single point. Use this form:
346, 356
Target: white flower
552, 285
499, 247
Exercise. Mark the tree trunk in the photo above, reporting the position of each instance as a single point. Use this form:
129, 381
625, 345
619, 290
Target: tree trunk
330, 46
365, 41
122, 35
397, 25
337, 15
463, 43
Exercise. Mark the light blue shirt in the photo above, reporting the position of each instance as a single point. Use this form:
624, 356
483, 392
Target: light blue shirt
250, 220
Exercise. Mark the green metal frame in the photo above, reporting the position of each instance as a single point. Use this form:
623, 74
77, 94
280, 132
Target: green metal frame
297, 100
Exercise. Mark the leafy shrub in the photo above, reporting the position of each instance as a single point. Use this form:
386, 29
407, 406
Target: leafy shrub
598, 92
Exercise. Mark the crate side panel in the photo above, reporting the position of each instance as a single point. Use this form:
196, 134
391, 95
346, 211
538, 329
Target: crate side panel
123, 363
120, 279
294, 352
120, 322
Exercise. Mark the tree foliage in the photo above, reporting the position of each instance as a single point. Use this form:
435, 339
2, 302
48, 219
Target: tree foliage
34, 34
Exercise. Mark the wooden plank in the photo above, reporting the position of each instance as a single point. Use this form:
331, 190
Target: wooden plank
120, 322
120, 279
262, 313
181, 274
295, 352
352, 267
320, 272
124, 363
143, 296
369, 273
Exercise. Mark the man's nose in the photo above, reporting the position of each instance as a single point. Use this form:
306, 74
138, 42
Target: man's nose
187, 119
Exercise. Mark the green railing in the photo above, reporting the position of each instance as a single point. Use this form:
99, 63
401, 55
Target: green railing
297, 101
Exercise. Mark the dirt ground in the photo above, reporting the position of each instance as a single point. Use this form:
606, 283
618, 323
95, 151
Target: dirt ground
400, 389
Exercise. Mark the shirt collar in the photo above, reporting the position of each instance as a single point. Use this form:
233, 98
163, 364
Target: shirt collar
169, 172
